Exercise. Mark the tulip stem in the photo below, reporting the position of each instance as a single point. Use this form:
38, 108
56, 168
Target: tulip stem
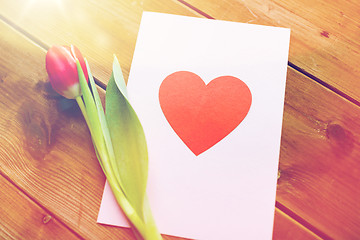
81, 104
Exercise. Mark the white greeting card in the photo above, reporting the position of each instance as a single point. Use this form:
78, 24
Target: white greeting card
210, 96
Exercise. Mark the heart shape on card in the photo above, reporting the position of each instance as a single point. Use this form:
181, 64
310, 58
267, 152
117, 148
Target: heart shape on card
203, 114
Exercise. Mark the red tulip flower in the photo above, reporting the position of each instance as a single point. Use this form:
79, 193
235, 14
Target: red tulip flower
62, 70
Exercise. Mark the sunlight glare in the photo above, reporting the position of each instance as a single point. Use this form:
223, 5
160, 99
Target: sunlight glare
30, 5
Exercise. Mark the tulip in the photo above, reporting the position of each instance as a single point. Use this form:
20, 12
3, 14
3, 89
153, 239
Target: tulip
62, 70
126, 166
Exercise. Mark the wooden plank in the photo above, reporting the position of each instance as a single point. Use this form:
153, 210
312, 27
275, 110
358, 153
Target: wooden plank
99, 28
319, 171
325, 39
21, 218
287, 228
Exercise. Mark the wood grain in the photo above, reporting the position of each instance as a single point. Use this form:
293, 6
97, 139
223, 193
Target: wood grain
21, 218
325, 39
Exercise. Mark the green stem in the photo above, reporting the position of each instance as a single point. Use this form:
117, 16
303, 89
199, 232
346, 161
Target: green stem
144, 230
101, 152
125, 205
151, 231
81, 104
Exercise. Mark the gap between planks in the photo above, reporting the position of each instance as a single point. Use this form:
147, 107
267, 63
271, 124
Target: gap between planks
278, 205
301, 221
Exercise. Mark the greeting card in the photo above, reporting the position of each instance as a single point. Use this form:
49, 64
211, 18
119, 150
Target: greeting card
210, 97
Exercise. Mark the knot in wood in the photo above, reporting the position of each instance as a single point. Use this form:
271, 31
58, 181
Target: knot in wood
46, 219
341, 140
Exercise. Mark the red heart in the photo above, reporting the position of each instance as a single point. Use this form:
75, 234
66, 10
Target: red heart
200, 114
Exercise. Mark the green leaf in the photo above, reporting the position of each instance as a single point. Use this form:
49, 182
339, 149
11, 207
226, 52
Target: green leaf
91, 112
100, 115
128, 140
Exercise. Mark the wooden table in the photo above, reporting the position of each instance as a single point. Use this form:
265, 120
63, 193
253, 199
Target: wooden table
50, 181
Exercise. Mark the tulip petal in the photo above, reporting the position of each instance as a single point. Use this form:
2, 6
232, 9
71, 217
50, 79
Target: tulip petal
62, 70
